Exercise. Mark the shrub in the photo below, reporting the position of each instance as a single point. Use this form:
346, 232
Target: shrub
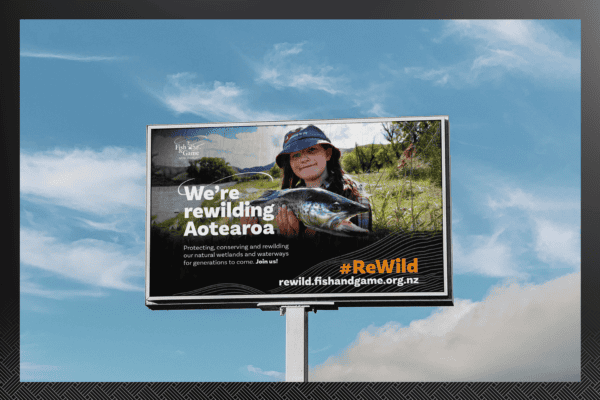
275, 171
350, 162
210, 169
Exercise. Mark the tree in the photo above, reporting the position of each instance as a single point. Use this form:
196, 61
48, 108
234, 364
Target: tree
393, 133
350, 162
275, 171
210, 169
426, 139
385, 156
429, 148
366, 156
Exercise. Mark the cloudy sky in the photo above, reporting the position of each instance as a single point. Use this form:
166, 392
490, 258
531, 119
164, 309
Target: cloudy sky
510, 88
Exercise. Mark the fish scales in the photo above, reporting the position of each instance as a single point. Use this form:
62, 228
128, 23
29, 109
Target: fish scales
317, 208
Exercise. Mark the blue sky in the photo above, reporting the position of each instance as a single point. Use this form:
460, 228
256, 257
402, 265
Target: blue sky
512, 91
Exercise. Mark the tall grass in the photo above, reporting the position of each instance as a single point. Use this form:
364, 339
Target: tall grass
404, 200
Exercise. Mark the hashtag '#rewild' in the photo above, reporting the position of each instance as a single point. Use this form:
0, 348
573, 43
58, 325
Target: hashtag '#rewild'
344, 269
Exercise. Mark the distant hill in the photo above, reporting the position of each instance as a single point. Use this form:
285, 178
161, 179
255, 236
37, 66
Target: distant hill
173, 176
255, 169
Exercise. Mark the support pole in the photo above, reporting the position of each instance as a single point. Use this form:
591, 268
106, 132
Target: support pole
296, 343
296, 334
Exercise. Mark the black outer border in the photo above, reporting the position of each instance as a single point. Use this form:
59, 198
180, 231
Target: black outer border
351, 300
588, 11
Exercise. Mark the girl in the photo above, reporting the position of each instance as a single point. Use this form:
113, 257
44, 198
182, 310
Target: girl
308, 159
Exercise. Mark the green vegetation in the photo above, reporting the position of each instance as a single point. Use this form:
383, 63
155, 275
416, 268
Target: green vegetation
210, 169
368, 158
426, 140
415, 148
406, 203
275, 171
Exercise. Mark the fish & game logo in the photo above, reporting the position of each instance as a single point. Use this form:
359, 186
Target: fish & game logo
189, 148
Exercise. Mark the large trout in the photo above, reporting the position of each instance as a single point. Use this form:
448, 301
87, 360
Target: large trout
318, 209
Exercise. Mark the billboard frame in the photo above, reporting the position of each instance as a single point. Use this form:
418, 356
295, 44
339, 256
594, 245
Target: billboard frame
316, 301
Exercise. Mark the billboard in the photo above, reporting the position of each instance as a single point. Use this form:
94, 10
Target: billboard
352, 212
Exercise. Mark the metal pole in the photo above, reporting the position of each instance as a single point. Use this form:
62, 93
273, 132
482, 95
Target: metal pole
296, 343
296, 334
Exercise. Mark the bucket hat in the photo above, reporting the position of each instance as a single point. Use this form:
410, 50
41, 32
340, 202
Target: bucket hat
303, 138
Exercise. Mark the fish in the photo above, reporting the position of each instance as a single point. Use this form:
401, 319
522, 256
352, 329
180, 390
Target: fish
319, 209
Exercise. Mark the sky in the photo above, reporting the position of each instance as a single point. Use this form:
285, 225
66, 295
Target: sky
512, 92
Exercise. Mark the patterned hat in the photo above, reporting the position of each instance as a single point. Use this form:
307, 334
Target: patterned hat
303, 138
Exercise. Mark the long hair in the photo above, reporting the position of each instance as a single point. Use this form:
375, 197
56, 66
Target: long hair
338, 184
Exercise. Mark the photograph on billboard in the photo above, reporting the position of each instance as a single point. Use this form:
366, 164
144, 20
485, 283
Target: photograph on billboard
354, 212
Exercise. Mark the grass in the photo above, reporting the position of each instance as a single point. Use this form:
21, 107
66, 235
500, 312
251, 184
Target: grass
401, 201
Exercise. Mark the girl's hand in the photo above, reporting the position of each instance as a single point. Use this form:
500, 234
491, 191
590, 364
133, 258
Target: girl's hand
288, 224
248, 221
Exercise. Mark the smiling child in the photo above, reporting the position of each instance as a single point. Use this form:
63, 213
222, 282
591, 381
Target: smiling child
308, 159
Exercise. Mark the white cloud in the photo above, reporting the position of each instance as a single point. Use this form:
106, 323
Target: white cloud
347, 135
485, 255
271, 374
100, 182
514, 197
499, 58
281, 69
518, 333
69, 57
438, 76
557, 244
311, 351
102, 226
216, 101
378, 110
90, 261
516, 46
248, 149
553, 223
521, 232
373, 95
285, 49
28, 287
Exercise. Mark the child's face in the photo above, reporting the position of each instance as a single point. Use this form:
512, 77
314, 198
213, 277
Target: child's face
309, 164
